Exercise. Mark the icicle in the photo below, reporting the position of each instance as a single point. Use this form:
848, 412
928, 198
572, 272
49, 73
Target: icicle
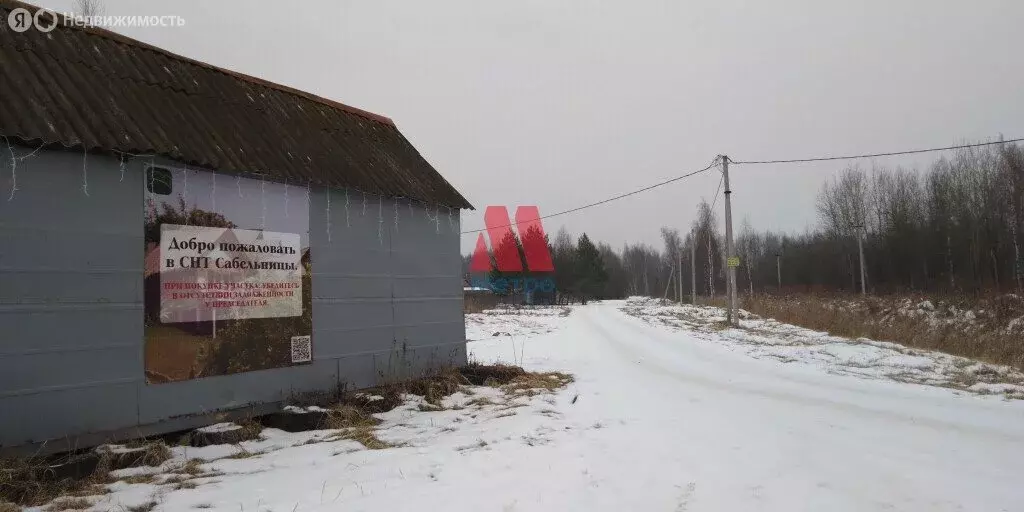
436, 219
152, 183
85, 172
14, 170
308, 185
347, 224
380, 220
328, 214
396, 215
286, 198
238, 183
263, 202
451, 224
364, 204
184, 184
122, 167
213, 191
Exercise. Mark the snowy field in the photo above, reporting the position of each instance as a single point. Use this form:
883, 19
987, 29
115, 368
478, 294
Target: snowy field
765, 338
668, 412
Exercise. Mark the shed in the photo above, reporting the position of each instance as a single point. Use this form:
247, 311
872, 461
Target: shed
179, 241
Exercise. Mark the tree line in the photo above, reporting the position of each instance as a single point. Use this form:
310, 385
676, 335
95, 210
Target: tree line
953, 227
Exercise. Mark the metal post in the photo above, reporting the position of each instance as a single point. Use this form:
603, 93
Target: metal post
731, 270
778, 270
693, 269
679, 277
860, 249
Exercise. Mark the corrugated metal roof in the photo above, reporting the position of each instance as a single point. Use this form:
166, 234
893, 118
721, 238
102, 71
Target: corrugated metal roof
92, 88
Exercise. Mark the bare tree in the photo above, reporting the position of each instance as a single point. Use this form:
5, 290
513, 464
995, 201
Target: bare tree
90, 8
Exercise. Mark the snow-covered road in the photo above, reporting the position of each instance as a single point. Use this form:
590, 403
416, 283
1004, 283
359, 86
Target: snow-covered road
693, 425
658, 419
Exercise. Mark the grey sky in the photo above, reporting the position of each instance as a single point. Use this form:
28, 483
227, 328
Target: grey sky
559, 103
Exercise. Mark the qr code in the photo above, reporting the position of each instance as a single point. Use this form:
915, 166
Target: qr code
302, 351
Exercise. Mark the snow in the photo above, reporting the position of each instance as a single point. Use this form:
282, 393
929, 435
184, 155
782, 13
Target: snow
767, 339
219, 427
668, 412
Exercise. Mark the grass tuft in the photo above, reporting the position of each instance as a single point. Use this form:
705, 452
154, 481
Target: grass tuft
69, 504
985, 338
143, 507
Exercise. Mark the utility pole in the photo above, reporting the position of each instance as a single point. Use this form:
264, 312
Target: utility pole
693, 269
778, 270
679, 279
731, 274
860, 249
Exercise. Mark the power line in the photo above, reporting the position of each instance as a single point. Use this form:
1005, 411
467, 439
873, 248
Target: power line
713, 203
871, 155
610, 199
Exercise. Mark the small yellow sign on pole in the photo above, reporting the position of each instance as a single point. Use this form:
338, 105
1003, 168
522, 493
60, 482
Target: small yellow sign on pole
734, 261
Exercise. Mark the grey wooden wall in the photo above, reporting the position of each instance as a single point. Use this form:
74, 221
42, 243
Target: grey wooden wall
387, 304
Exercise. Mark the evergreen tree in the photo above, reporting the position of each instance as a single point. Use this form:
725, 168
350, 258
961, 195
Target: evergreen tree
590, 274
502, 280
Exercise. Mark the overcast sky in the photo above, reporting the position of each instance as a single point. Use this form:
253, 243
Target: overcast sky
558, 103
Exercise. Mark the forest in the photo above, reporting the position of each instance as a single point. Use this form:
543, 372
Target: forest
953, 227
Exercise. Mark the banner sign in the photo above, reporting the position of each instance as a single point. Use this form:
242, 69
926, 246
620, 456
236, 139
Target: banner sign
228, 273
227, 279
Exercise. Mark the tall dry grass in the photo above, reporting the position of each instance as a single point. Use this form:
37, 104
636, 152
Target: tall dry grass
987, 333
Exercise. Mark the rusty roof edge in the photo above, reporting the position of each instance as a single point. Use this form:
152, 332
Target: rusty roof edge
56, 144
249, 78
468, 205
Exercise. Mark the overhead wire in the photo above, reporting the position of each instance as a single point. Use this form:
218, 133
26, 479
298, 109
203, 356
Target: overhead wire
756, 162
717, 191
873, 155
610, 199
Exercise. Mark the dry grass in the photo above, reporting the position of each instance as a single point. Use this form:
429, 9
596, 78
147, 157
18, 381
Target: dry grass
69, 504
986, 339
242, 453
531, 383
147, 478
143, 507
143, 452
364, 435
34, 481
346, 415
192, 467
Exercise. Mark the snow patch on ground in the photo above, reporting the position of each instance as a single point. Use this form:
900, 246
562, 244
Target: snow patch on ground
768, 339
501, 335
657, 419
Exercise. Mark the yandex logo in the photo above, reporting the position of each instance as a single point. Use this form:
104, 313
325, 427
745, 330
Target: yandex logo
505, 244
